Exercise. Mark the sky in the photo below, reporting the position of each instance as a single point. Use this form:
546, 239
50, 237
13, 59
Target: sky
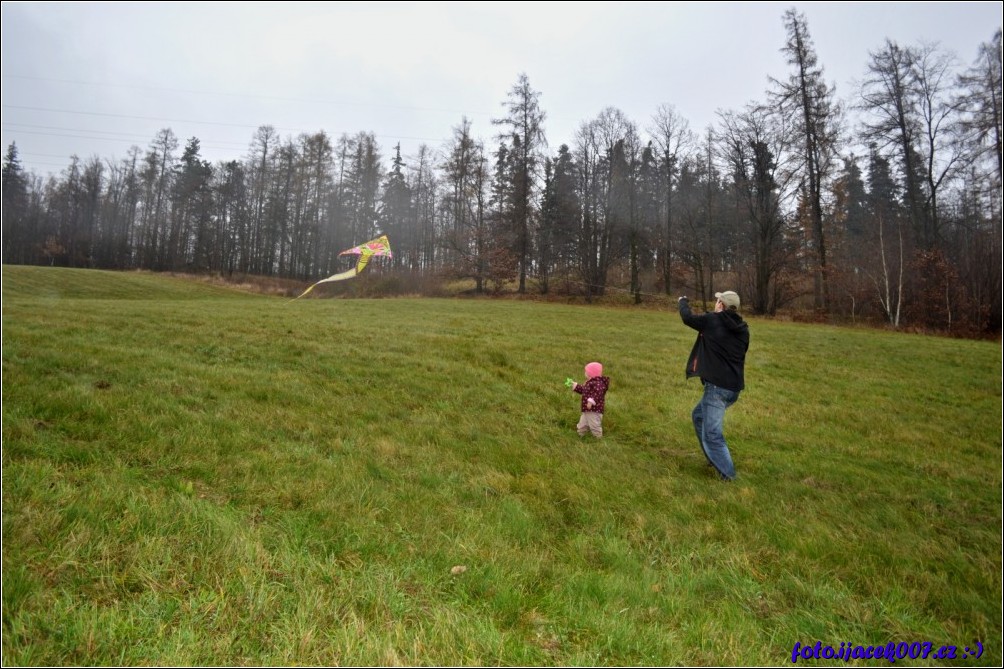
95, 78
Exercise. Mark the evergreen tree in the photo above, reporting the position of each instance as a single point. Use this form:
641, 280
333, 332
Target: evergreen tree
503, 259
396, 211
753, 144
852, 201
545, 230
888, 244
560, 212
567, 209
525, 126
459, 167
191, 205
236, 207
648, 209
16, 236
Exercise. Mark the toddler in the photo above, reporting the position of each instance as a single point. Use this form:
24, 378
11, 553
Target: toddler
593, 392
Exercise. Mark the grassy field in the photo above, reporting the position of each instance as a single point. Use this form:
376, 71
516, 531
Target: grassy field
198, 476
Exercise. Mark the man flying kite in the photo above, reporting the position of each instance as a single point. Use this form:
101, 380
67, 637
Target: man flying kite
377, 247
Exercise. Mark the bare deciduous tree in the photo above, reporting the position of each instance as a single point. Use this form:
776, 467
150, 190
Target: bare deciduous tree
673, 139
811, 104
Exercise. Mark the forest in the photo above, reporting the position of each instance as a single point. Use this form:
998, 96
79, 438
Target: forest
880, 206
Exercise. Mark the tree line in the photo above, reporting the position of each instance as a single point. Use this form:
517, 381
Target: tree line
884, 206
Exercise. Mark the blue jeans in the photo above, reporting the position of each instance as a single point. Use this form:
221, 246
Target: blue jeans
709, 416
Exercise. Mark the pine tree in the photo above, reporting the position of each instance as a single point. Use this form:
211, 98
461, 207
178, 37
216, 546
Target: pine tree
525, 128
396, 211
16, 242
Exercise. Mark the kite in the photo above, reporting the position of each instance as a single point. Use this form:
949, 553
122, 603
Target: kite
377, 247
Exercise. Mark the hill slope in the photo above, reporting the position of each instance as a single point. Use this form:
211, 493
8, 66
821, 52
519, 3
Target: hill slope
197, 476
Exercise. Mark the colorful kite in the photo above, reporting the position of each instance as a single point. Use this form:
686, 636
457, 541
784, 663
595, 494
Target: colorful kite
377, 247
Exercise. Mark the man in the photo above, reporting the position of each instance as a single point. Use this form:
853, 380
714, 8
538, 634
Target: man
718, 358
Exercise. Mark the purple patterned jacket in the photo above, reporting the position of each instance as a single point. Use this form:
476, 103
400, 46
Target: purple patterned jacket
595, 388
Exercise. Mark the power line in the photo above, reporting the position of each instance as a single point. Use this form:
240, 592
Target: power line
40, 162
123, 137
171, 120
257, 96
140, 118
40, 155
52, 127
16, 129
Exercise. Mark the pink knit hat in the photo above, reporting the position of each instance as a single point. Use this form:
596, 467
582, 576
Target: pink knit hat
594, 369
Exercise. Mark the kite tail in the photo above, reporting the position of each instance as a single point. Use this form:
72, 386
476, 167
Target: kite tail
310, 288
347, 274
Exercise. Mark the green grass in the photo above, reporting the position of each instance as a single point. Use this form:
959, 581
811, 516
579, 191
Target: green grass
197, 476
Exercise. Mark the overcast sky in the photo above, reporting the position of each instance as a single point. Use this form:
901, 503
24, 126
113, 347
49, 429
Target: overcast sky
94, 78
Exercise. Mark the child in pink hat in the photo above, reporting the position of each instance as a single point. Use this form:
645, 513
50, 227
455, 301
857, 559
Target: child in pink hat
593, 392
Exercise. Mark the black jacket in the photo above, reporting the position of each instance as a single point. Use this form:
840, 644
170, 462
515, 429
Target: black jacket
719, 354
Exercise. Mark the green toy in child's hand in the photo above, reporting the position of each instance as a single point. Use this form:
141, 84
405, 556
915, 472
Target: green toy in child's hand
569, 383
